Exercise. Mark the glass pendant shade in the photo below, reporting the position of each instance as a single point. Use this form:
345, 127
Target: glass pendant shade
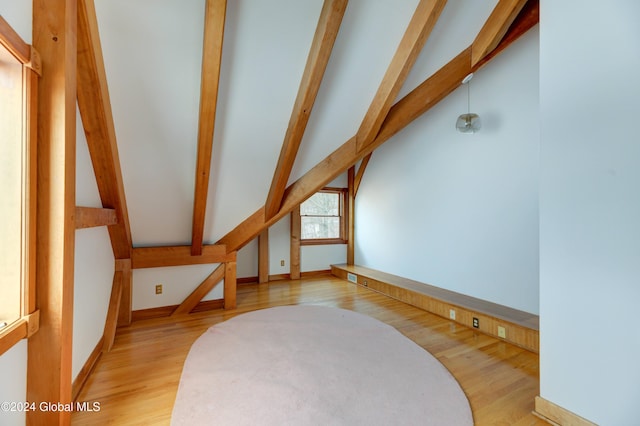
468, 123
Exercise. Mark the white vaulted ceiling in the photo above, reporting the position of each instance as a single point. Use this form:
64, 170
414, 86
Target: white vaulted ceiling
153, 51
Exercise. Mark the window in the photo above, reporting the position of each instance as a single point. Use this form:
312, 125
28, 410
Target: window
322, 218
17, 188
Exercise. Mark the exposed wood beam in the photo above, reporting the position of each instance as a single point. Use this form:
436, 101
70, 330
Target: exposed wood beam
215, 12
156, 257
90, 217
95, 109
294, 255
263, 256
495, 28
424, 19
49, 356
321, 47
351, 198
230, 284
201, 291
111, 323
418, 101
360, 173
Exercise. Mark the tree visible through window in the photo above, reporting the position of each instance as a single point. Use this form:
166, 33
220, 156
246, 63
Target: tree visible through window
322, 217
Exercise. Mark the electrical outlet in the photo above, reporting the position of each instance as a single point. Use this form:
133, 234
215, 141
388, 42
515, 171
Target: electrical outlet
282, 262
158, 288
476, 322
452, 314
365, 283
502, 332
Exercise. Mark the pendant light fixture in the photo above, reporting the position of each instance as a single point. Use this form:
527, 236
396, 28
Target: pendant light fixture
469, 122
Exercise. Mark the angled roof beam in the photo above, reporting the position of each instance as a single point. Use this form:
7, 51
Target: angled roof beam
424, 19
420, 100
201, 291
215, 12
95, 109
495, 28
321, 47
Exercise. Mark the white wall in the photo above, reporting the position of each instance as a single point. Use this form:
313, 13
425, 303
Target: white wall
94, 264
459, 211
590, 209
13, 363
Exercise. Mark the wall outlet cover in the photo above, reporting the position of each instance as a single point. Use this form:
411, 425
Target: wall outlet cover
452, 314
352, 277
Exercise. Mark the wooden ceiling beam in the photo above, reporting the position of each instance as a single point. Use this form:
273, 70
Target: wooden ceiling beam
418, 101
321, 47
422, 23
495, 28
90, 217
156, 257
95, 109
215, 12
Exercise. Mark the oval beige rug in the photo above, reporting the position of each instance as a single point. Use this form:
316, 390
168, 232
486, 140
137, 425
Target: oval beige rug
314, 365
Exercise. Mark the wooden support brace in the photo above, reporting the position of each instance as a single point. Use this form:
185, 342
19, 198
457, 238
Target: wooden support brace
201, 291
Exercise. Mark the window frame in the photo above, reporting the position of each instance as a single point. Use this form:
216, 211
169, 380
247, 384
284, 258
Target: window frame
28, 322
343, 215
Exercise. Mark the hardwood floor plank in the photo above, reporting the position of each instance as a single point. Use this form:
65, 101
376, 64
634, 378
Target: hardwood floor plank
136, 383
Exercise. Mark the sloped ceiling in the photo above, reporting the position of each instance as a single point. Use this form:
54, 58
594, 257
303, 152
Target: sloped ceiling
153, 50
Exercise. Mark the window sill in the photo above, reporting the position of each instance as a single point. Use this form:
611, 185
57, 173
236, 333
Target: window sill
327, 241
18, 330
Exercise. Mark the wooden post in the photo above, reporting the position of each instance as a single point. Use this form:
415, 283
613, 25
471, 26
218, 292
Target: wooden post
49, 350
263, 257
230, 285
351, 202
295, 244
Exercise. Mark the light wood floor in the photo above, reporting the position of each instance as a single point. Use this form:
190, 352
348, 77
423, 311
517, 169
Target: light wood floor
137, 381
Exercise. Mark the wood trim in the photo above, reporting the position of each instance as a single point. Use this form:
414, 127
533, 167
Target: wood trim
157, 257
417, 102
360, 173
49, 360
321, 47
422, 23
151, 313
495, 28
201, 291
31, 195
263, 257
95, 108
208, 305
12, 334
230, 285
215, 12
86, 369
555, 414
90, 217
12, 41
294, 254
249, 280
111, 323
166, 311
351, 191
521, 328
